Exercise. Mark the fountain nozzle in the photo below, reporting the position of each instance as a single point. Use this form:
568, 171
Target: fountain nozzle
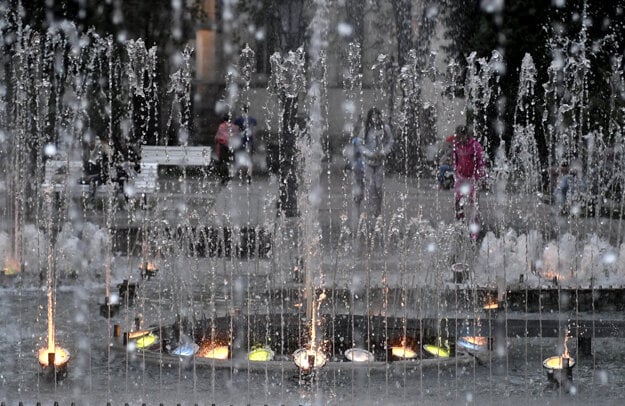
109, 309
559, 370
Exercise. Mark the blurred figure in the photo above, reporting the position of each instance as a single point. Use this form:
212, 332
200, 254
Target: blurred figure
245, 148
358, 169
469, 168
445, 172
377, 142
569, 184
96, 167
227, 132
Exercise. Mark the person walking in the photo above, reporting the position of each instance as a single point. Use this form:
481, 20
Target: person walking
469, 168
444, 175
244, 151
96, 168
226, 133
377, 142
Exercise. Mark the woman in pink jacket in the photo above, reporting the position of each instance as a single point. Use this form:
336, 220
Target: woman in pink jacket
227, 134
469, 168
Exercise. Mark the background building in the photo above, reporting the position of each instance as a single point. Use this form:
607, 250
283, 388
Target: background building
280, 26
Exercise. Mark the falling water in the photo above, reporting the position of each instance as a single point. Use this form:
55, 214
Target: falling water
191, 228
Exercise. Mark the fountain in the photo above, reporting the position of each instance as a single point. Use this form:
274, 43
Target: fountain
288, 294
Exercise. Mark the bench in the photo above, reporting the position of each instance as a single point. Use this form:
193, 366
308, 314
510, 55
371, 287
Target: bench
176, 156
63, 177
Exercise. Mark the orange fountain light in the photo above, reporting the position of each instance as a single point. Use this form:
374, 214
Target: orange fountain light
137, 334
401, 351
557, 362
148, 269
477, 340
553, 276
11, 266
149, 266
61, 356
493, 305
213, 351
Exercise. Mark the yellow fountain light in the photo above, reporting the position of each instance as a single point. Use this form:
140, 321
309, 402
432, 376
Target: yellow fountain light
401, 351
146, 340
359, 355
261, 354
435, 350
212, 351
309, 359
61, 356
557, 362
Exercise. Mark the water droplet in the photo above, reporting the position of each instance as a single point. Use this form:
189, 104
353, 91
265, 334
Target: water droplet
465, 188
609, 258
344, 29
49, 150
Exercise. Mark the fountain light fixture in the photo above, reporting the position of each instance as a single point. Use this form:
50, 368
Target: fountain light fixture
127, 288
437, 350
111, 306
148, 270
359, 355
552, 276
187, 349
559, 369
136, 334
474, 343
402, 351
143, 339
260, 354
213, 351
460, 272
491, 305
11, 266
308, 360
57, 359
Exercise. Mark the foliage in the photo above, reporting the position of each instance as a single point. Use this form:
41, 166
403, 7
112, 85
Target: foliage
157, 23
529, 26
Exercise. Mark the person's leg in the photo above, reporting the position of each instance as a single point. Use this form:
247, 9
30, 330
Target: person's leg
369, 189
93, 186
379, 189
359, 185
561, 192
442, 170
460, 191
358, 192
475, 224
